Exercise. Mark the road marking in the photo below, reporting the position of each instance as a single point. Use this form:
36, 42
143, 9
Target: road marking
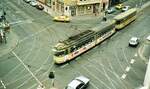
135, 55
3, 84
64, 65
123, 76
109, 79
132, 61
32, 35
21, 21
27, 68
128, 69
40, 87
94, 85
105, 84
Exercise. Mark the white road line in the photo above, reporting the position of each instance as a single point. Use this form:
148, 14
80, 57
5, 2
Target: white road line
132, 61
96, 77
94, 85
16, 22
116, 45
123, 76
128, 69
27, 69
90, 82
35, 72
3, 84
125, 56
44, 75
135, 55
109, 78
33, 34
64, 65
24, 60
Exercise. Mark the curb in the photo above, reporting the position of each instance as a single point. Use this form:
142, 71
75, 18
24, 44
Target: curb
140, 51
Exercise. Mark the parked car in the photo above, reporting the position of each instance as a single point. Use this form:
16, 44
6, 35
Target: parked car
40, 7
33, 3
148, 38
125, 8
27, 1
62, 18
119, 6
134, 41
80, 82
111, 10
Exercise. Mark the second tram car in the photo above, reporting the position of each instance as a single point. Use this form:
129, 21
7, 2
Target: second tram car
78, 44
125, 18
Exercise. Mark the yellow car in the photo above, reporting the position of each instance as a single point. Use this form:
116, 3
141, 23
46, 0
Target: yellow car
62, 18
119, 6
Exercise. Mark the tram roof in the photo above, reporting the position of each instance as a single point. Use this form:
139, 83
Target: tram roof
77, 37
73, 39
125, 14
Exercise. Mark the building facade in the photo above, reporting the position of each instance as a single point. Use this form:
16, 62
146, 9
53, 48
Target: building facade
77, 7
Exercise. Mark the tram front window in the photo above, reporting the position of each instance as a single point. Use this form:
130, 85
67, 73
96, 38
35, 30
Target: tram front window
59, 53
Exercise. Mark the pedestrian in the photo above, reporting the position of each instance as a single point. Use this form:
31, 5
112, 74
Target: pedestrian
104, 18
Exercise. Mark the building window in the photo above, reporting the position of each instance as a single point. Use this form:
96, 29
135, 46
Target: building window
53, 3
66, 8
88, 7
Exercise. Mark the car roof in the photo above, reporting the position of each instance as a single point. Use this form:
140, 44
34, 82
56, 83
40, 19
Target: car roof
83, 79
134, 38
148, 38
73, 84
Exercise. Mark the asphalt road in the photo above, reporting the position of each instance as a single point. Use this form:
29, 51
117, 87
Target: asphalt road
105, 64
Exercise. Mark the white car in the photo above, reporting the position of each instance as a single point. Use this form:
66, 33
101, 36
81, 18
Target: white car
125, 8
148, 38
27, 1
80, 82
111, 10
134, 41
33, 3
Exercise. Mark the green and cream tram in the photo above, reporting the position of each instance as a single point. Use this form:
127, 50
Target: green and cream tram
78, 44
125, 18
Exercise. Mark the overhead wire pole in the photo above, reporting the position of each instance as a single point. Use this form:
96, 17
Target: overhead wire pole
28, 70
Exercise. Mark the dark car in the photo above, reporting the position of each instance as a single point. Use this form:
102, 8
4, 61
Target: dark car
40, 7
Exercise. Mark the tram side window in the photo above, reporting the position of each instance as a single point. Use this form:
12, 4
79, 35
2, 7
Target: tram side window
118, 22
72, 49
59, 53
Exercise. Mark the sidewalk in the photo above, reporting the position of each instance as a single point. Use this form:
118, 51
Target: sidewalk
131, 3
12, 41
49, 11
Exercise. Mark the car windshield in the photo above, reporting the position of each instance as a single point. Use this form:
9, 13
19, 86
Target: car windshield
133, 41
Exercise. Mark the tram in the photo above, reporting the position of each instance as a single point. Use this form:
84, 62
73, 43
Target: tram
78, 44
125, 18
